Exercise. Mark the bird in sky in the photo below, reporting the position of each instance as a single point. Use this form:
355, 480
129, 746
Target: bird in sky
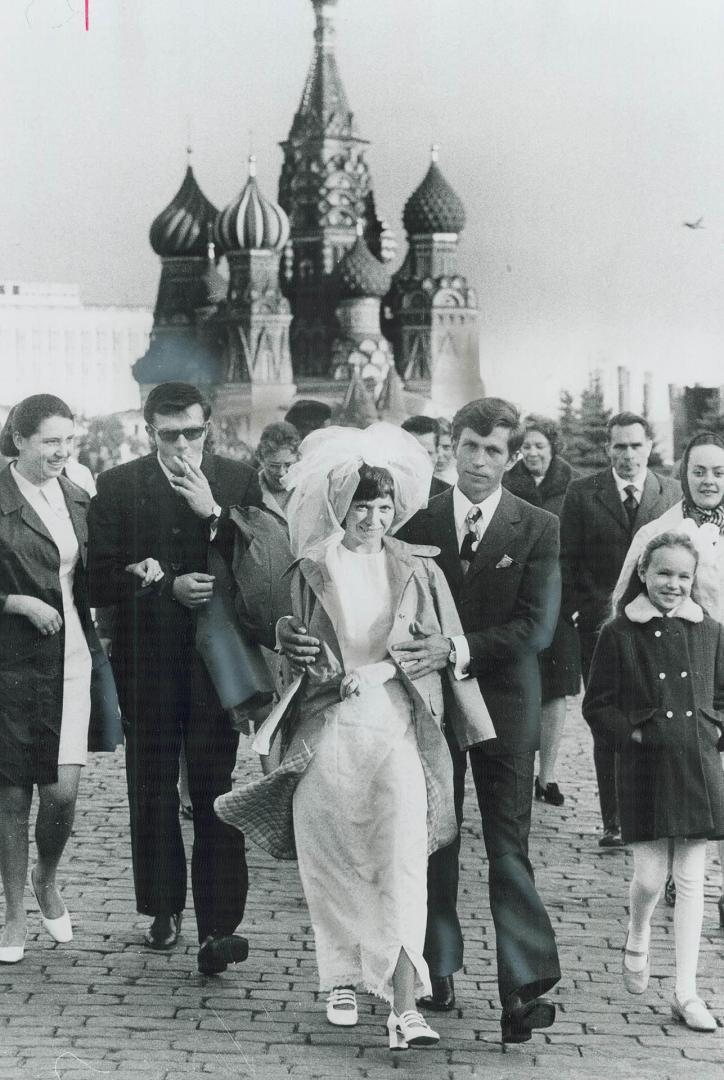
694, 224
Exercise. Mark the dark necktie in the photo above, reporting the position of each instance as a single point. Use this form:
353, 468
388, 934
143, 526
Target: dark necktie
630, 504
471, 538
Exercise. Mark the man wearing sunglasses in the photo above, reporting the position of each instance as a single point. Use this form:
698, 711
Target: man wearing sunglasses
154, 520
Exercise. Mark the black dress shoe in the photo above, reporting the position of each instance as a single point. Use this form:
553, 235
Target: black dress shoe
217, 953
611, 838
163, 933
442, 998
519, 1019
551, 793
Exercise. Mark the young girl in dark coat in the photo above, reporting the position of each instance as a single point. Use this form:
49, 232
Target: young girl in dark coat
656, 687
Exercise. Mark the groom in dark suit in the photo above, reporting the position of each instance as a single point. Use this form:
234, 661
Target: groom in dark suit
160, 515
500, 557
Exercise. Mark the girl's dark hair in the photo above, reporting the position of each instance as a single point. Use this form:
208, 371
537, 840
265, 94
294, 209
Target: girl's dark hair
374, 483
26, 417
548, 428
704, 438
667, 540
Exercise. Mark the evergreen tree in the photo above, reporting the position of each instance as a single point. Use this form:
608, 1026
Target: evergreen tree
567, 421
588, 447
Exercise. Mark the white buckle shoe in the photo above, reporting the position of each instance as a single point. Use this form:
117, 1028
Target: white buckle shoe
342, 1007
410, 1028
60, 929
694, 1014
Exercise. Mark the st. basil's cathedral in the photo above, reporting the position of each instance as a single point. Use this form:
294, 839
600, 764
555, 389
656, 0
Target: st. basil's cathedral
310, 307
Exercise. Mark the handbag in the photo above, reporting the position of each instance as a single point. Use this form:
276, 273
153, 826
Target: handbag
235, 664
105, 731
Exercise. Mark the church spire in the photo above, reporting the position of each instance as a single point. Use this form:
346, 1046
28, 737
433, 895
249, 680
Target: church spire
324, 108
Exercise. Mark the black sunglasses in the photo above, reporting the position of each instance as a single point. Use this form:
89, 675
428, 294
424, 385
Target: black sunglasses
170, 435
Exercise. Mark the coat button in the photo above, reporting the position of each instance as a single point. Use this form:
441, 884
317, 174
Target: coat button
689, 712
684, 674
662, 674
669, 713
657, 633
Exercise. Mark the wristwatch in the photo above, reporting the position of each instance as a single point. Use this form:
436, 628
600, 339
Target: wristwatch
214, 517
452, 656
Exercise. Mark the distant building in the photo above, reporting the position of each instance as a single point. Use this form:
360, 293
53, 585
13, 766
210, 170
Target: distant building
309, 307
50, 342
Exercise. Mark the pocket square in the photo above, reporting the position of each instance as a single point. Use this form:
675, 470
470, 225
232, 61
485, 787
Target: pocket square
504, 563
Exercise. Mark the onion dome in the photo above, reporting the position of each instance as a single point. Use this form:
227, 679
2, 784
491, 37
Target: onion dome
251, 222
434, 207
360, 274
181, 229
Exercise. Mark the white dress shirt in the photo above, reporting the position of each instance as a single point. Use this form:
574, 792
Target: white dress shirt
461, 508
637, 484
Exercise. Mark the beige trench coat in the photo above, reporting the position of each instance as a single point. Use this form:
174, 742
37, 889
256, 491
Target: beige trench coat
422, 604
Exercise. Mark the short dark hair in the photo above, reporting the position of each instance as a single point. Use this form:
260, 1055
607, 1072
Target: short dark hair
422, 425
278, 436
444, 426
547, 427
702, 438
628, 419
26, 417
667, 540
173, 397
307, 415
484, 414
374, 483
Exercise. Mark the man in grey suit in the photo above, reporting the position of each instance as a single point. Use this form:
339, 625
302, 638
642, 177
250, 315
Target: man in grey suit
601, 514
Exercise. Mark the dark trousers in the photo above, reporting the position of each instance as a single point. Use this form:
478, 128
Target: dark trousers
604, 751
527, 956
219, 877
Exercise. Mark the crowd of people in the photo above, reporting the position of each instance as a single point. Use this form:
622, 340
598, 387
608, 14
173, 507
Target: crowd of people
421, 599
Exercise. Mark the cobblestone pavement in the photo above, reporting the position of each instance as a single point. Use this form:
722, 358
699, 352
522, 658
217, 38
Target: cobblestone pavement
105, 1006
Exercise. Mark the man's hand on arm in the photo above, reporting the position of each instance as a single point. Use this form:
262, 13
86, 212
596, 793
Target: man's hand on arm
193, 590
294, 641
420, 656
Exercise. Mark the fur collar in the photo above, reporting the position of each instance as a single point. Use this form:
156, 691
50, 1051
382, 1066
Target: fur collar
641, 610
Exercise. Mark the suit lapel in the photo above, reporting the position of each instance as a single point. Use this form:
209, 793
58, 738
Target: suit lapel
77, 508
11, 498
607, 494
500, 535
649, 505
444, 535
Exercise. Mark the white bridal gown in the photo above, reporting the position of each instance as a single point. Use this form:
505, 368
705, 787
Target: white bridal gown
360, 808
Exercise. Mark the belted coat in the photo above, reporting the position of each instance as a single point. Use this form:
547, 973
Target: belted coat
664, 676
421, 602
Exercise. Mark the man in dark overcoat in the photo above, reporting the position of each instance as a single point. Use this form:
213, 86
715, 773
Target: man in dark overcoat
499, 555
159, 516
600, 516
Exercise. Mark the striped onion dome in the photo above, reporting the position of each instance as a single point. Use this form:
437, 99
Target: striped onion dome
181, 229
434, 207
251, 222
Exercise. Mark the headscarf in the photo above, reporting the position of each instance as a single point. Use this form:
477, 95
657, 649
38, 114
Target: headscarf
701, 515
326, 477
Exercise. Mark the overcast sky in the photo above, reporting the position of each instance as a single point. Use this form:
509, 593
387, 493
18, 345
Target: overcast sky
580, 135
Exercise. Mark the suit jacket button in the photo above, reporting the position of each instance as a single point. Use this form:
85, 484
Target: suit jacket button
669, 713
662, 674
684, 674
689, 712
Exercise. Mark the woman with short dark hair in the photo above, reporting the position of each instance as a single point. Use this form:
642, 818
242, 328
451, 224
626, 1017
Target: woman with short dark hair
46, 638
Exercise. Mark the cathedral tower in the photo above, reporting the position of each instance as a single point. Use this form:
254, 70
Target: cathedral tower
434, 312
325, 188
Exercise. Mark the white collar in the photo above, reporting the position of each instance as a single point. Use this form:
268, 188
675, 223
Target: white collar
637, 483
641, 610
462, 507
50, 491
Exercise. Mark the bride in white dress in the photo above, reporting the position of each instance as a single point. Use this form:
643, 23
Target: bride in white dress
364, 790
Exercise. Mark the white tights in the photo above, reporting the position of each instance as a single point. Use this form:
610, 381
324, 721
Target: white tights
650, 864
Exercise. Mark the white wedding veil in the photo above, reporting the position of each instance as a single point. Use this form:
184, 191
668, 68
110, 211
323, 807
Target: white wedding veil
327, 474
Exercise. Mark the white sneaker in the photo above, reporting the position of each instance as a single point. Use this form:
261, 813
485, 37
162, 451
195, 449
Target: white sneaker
342, 1007
694, 1014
